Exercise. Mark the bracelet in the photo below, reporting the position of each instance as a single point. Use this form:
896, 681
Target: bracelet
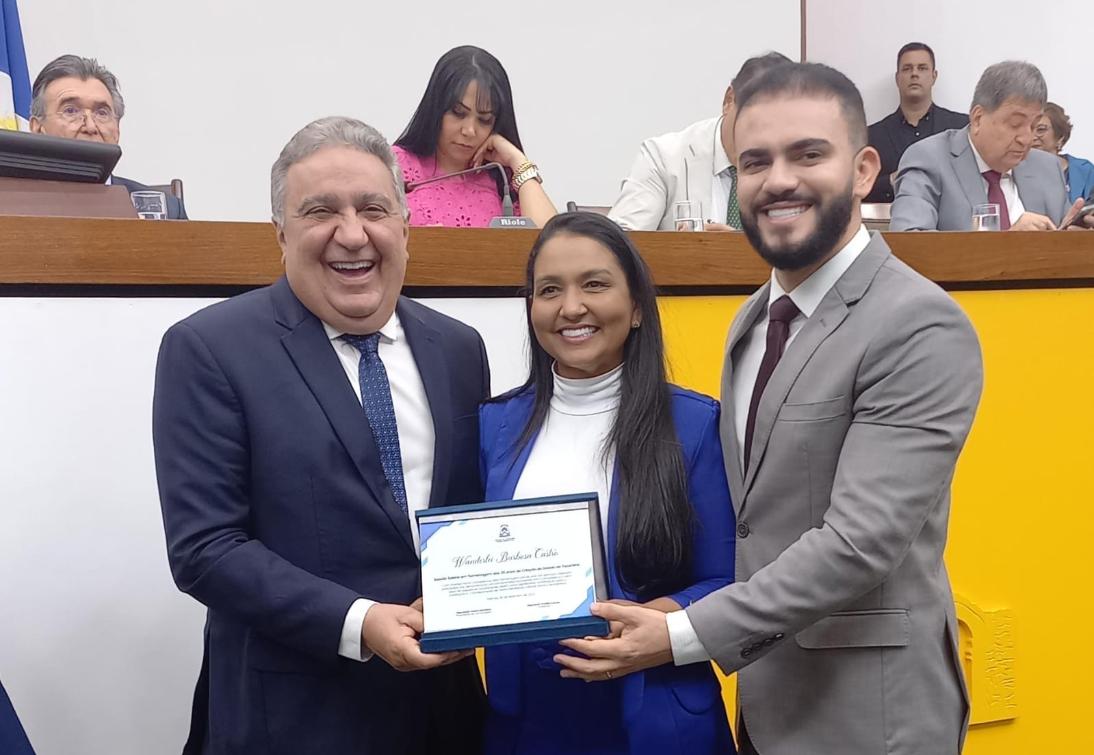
525, 172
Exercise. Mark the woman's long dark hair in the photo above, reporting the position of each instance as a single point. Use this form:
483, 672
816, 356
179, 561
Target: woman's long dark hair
454, 71
654, 538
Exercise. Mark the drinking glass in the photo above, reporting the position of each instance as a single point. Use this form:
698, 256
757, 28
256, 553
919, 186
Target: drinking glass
151, 205
688, 216
985, 217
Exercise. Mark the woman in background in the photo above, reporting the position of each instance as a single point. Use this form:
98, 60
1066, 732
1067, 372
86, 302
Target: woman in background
1051, 134
465, 119
597, 413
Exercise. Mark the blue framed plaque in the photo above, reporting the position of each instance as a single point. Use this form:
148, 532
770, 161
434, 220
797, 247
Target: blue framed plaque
511, 572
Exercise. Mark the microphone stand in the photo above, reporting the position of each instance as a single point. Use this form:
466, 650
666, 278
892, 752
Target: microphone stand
507, 219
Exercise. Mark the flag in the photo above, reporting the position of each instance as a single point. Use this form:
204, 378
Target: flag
14, 76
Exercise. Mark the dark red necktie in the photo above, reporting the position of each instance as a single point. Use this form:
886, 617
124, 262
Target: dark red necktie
995, 196
781, 312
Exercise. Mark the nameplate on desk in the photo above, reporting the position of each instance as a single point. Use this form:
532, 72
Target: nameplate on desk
511, 221
511, 572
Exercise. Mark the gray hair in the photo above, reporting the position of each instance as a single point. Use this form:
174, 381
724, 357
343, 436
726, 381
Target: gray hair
332, 131
73, 66
1010, 79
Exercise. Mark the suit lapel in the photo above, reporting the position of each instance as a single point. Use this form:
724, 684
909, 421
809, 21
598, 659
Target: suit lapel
700, 162
833, 310
516, 413
433, 368
825, 319
751, 311
1025, 181
968, 173
311, 351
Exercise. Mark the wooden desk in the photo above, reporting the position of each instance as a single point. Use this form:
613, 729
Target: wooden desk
60, 252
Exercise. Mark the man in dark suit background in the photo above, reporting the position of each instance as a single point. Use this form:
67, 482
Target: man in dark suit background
77, 98
916, 118
297, 428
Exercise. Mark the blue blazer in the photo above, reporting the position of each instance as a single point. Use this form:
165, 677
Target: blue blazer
1080, 178
278, 517
665, 710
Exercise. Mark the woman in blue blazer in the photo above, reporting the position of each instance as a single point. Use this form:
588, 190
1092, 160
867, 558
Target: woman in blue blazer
1050, 134
597, 413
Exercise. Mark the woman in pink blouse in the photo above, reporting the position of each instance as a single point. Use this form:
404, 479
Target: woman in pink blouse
465, 119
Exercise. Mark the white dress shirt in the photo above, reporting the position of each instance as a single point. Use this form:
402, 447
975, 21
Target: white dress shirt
568, 455
416, 442
1015, 208
807, 296
721, 185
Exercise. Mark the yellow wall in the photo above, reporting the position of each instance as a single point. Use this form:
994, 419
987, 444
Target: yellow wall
1022, 525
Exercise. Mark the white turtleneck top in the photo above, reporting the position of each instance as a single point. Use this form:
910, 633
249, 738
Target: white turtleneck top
568, 454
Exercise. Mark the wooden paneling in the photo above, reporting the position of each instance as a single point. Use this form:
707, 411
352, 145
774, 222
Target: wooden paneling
77, 251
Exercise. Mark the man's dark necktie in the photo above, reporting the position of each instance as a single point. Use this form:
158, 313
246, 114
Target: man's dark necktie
733, 209
781, 312
376, 400
995, 196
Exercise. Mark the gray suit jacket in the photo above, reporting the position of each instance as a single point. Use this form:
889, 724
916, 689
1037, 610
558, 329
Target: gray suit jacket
842, 622
669, 168
938, 183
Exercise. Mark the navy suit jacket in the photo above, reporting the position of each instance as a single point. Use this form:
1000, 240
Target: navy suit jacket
175, 208
278, 517
668, 709
13, 740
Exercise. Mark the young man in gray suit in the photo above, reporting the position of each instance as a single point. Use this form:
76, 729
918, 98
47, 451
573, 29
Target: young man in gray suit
943, 177
849, 388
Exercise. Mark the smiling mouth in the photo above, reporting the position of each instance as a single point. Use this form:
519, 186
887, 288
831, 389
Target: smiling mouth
358, 269
786, 213
578, 334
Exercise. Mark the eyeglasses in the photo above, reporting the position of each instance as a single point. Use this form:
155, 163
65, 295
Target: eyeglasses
73, 114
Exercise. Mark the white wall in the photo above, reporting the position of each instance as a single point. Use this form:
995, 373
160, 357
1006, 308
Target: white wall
214, 88
862, 37
98, 650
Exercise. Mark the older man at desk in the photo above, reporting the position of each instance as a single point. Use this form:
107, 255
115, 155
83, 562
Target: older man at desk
942, 178
77, 98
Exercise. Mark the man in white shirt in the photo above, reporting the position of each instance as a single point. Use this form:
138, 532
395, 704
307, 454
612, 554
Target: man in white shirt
297, 429
694, 164
942, 178
849, 388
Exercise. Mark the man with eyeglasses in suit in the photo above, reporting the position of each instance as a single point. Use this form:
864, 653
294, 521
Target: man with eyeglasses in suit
77, 98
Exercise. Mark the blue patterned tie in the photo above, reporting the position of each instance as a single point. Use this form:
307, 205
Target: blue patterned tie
376, 400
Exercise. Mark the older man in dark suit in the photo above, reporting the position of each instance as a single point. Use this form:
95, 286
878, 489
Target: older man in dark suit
78, 98
297, 429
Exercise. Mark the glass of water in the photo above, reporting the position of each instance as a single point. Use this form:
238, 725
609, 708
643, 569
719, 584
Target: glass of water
688, 216
151, 205
985, 217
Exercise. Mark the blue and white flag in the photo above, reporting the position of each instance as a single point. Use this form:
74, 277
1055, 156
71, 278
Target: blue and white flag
14, 76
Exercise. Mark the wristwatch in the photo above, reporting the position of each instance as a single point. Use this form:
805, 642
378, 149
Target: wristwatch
524, 173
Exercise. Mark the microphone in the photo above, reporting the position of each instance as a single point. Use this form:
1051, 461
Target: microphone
507, 219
